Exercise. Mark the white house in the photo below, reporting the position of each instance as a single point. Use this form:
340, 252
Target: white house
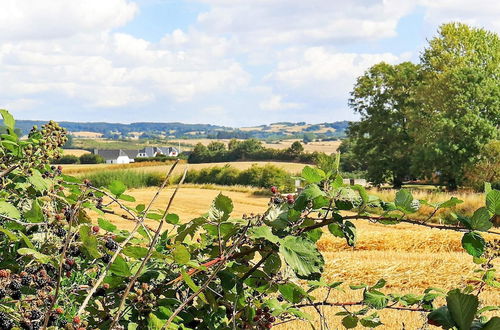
119, 156
114, 156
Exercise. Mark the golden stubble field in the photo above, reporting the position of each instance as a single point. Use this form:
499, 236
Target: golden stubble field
410, 258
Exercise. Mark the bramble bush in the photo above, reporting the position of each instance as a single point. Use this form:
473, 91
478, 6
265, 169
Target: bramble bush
60, 268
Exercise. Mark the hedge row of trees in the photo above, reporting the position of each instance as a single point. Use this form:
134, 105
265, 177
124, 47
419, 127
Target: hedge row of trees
256, 176
250, 149
83, 159
437, 118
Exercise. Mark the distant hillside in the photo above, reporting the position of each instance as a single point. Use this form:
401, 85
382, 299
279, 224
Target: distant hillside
180, 130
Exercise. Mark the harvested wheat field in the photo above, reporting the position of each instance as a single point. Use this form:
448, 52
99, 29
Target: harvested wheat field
410, 258
75, 152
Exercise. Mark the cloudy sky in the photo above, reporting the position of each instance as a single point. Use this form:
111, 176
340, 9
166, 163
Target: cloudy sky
230, 62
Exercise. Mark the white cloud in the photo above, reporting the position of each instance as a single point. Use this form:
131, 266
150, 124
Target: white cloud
37, 19
321, 73
276, 103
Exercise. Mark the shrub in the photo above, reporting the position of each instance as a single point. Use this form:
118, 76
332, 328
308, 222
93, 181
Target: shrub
67, 159
91, 159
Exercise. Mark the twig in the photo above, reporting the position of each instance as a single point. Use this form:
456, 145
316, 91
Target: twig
120, 247
360, 303
7, 171
150, 251
376, 219
27, 224
257, 265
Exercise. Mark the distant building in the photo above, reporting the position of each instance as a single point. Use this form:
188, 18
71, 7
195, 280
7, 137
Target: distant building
119, 156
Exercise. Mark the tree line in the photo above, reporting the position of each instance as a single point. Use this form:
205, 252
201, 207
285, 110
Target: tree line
436, 119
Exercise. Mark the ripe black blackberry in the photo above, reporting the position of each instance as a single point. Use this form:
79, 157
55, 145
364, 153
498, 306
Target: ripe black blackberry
110, 244
26, 280
5, 322
60, 232
15, 285
35, 314
16, 295
2, 293
66, 267
106, 258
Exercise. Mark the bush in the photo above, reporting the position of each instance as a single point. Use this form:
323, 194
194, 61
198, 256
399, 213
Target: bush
91, 159
67, 159
256, 176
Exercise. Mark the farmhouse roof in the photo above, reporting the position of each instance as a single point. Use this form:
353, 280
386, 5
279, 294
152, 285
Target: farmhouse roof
110, 153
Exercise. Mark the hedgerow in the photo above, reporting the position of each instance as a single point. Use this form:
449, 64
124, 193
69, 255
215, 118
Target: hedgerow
62, 268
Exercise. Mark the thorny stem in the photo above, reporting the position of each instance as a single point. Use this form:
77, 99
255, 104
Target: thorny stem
150, 250
120, 247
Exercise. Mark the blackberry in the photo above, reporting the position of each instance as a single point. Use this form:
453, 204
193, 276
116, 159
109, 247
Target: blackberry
2, 293
5, 322
66, 267
100, 292
40, 282
60, 232
106, 258
112, 245
26, 280
35, 314
63, 323
16, 295
15, 285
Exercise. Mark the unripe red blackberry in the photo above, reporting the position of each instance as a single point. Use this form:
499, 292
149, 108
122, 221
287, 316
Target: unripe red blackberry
59, 310
77, 320
95, 229
274, 190
4, 273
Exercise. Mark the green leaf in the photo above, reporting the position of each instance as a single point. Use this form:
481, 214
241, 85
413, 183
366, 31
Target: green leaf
106, 225
473, 243
120, 267
492, 324
154, 322
292, 292
311, 175
154, 216
375, 299
263, 232
117, 187
480, 220
38, 182
462, 308
404, 201
493, 202
40, 257
127, 198
441, 317
349, 230
192, 285
371, 321
302, 256
89, 241
272, 264
12, 237
380, 284
452, 202
181, 254
172, 218
8, 119
141, 207
223, 203
309, 193
336, 230
137, 252
350, 321
9, 210
35, 214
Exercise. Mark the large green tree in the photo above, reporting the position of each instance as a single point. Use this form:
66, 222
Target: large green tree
384, 97
460, 96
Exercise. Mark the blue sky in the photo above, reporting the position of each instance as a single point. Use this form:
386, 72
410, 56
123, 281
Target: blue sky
229, 62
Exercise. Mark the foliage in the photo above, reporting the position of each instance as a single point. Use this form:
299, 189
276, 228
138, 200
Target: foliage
384, 97
432, 118
67, 159
250, 149
214, 272
487, 169
257, 176
91, 159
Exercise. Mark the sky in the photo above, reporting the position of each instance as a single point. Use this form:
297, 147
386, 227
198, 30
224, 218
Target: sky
227, 62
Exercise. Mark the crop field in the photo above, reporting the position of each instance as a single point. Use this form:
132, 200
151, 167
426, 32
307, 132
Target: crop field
158, 167
410, 258
74, 152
